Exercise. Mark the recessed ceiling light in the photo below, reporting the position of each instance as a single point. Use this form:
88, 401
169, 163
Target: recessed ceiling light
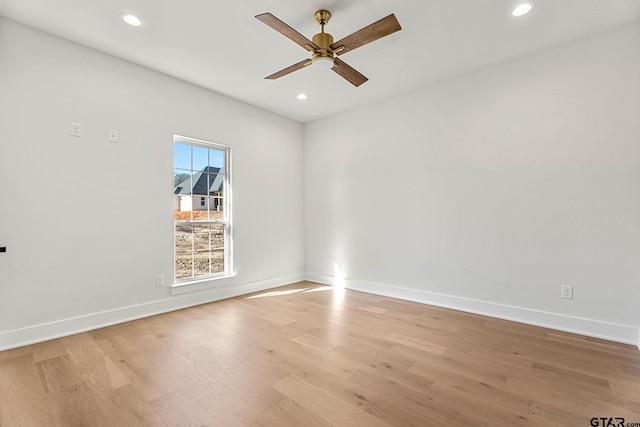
133, 20
522, 9
302, 96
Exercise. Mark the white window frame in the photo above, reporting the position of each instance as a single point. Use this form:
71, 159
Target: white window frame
226, 221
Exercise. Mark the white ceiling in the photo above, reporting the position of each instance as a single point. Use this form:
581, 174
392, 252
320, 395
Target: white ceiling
219, 45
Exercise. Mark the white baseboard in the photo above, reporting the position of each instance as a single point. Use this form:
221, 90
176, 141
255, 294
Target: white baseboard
47, 331
592, 328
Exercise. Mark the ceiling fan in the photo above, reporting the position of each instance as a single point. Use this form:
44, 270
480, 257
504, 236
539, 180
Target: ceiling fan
324, 50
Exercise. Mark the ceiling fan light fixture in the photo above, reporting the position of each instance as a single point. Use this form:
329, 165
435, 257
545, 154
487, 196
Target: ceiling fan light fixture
522, 9
323, 62
133, 20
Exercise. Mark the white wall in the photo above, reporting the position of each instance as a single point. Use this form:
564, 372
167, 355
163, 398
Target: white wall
489, 191
486, 192
77, 255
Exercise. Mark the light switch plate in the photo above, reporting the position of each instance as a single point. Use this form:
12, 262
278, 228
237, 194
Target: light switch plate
75, 129
566, 292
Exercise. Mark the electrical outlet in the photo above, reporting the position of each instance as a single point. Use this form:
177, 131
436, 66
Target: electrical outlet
75, 129
566, 292
160, 280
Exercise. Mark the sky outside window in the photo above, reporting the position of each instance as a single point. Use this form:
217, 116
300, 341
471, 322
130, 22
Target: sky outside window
202, 157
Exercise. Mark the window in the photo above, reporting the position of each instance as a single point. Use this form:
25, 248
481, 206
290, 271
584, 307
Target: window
202, 226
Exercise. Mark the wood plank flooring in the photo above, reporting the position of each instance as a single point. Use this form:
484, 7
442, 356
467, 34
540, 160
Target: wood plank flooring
307, 355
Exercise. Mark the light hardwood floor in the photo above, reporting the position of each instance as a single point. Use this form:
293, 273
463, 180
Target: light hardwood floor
306, 355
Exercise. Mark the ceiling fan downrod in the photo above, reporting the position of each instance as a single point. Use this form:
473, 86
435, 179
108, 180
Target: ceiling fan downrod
323, 40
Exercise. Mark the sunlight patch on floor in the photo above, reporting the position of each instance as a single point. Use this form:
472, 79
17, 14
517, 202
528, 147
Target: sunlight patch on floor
320, 289
277, 293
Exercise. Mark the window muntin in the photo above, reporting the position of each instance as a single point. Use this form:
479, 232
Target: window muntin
202, 228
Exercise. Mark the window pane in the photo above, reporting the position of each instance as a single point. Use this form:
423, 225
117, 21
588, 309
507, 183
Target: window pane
181, 181
200, 183
216, 199
181, 156
178, 213
200, 216
184, 262
200, 208
216, 158
201, 237
201, 263
181, 190
216, 215
216, 183
217, 261
200, 158
200, 198
184, 238
217, 236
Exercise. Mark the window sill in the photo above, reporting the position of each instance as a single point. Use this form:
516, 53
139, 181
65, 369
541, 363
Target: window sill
202, 284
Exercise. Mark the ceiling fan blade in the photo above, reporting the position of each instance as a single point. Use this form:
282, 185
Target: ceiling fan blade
287, 31
290, 69
368, 34
348, 73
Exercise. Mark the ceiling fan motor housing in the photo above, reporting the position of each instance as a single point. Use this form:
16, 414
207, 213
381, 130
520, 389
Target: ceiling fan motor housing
323, 41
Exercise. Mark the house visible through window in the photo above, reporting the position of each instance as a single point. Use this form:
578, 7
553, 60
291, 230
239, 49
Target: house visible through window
201, 209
